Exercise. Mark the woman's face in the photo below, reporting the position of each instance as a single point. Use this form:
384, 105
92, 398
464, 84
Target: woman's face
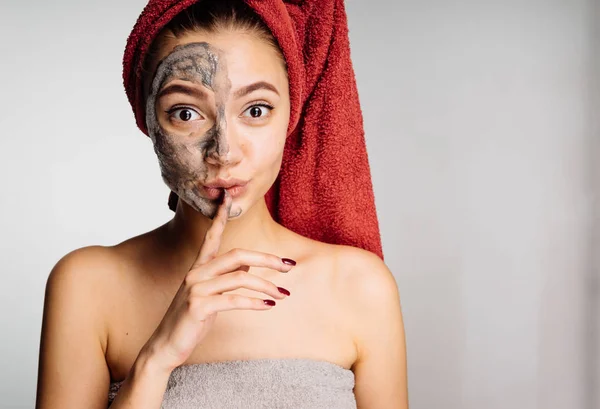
217, 112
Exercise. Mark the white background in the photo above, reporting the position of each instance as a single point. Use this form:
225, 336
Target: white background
482, 130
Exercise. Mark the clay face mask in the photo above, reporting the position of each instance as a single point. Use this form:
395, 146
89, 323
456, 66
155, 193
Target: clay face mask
182, 153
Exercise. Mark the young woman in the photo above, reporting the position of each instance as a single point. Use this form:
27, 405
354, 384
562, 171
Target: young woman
221, 307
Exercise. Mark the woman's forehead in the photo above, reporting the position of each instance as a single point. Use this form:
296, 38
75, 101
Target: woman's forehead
245, 58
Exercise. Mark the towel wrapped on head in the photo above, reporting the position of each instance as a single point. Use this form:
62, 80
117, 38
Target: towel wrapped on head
324, 189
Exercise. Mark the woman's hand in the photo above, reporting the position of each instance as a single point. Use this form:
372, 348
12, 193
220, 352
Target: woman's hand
200, 297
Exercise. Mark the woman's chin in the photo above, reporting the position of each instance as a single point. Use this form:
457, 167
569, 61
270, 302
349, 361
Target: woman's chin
209, 208
235, 212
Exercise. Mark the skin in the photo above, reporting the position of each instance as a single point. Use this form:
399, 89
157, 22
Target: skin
183, 160
192, 153
107, 307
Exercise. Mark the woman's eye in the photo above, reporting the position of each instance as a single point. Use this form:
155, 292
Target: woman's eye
258, 111
184, 114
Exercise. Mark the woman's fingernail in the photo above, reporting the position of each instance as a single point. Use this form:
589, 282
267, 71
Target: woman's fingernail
283, 291
288, 261
269, 302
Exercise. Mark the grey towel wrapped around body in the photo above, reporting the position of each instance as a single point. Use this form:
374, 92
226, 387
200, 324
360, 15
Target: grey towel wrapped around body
260, 383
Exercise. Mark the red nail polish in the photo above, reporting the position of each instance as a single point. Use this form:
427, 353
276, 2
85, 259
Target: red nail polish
269, 302
283, 291
288, 261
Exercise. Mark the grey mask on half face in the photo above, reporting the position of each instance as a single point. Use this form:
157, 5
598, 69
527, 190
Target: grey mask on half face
182, 157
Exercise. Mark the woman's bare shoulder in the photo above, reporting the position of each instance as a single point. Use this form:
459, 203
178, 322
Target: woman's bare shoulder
354, 271
358, 277
363, 275
358, 261
76, 298
343, 261
95, 270
86, 266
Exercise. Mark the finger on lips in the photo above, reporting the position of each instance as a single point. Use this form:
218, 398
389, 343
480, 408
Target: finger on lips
230, 271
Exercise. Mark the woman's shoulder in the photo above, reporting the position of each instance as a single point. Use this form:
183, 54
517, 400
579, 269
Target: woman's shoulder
86, 266
76, 294
362, 274
347, 261
94, 272
102, 261
361, 289
354, 271
94, 264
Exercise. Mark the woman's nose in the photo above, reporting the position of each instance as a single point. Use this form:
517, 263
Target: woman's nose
225, 149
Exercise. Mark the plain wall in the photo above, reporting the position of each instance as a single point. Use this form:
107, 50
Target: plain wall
593, 282
479, 129
482, 131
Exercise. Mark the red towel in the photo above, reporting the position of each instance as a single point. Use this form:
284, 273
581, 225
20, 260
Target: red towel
324, 189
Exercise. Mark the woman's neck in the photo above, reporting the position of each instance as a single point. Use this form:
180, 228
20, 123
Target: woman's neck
255, 229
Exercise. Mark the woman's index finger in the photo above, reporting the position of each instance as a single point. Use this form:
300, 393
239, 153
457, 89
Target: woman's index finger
212, 238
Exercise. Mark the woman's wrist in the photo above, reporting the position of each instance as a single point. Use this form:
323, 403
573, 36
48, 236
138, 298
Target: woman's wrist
148, 363
146, 383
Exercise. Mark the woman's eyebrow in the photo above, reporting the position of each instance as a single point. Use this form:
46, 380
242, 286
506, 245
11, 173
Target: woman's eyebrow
182, 89
253, 87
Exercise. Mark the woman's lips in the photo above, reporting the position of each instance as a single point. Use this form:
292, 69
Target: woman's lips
214, 193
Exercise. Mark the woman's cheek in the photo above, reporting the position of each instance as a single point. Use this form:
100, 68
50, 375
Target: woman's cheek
184, 156
266, 149
272, 155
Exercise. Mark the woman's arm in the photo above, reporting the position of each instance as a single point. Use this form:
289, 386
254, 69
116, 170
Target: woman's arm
380, 369
72, 368
73, 372
144, 386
